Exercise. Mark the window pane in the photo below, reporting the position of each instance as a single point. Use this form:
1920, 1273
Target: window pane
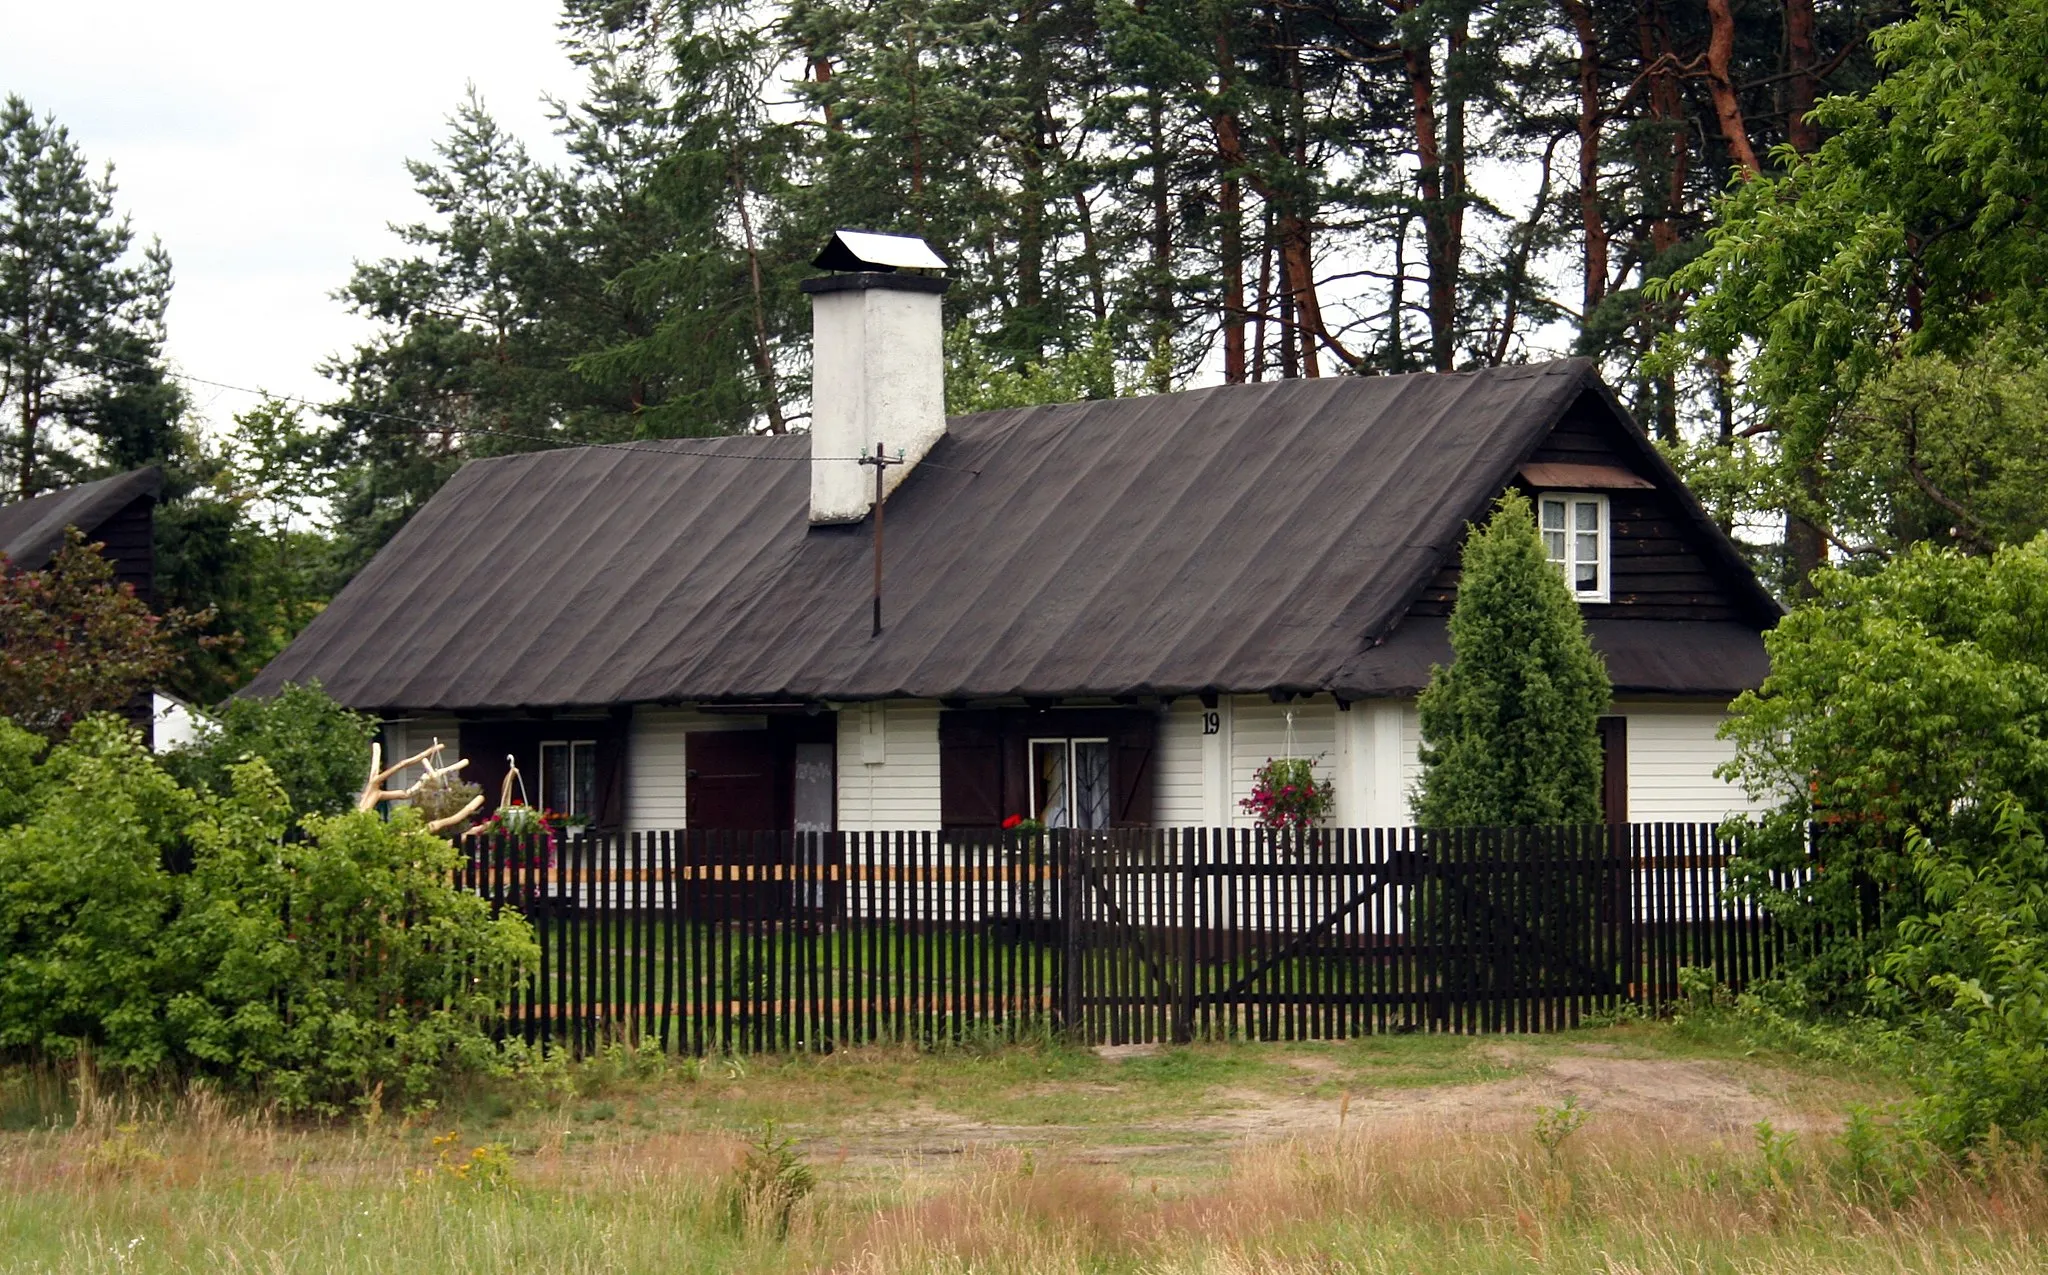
554, 777
1091, 783
1553, 515
1588, 515
1586, 577
583, 789
1049, 781
1553, 545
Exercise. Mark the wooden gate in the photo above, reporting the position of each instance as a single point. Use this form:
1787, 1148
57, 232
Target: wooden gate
1332, 933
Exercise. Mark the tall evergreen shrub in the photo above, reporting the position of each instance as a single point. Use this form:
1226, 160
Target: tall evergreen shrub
1510, 729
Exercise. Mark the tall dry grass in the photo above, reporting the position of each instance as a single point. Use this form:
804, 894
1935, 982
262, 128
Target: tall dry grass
187, 1182
1620, 1196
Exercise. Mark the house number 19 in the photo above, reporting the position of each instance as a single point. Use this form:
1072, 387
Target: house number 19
1212, 723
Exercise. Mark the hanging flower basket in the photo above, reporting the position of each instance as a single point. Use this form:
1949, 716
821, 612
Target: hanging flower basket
516, 824
1286, 794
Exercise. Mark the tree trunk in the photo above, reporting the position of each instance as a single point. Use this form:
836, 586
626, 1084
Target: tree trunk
764, 355
1091, 257
1667, 111
1230, 211
1801, 62
1162, 247
1263, 302
1441, 231
1721, 87
1592, 222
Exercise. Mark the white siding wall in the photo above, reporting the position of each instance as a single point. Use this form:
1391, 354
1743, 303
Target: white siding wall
1672, 753
1376, 742
404, 738
892, 781
1258, 731
1178, 799
889, 760
656, 765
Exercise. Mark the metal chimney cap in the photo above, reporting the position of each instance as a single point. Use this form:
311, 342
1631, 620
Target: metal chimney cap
868, 250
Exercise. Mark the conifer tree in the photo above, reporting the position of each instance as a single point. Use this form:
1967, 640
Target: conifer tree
81, 318
1510, 729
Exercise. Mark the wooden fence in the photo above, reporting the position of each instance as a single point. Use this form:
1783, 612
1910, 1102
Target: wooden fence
712, 941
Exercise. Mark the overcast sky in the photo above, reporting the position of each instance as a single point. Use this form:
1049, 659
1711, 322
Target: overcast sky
265, 145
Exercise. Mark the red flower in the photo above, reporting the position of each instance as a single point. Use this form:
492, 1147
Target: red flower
1012, 822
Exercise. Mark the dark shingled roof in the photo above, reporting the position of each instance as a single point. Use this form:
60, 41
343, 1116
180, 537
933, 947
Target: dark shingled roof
32, 529
1242, 538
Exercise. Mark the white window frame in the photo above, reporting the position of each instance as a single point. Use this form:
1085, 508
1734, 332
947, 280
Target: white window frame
572, 745
1067, 742
1604, 567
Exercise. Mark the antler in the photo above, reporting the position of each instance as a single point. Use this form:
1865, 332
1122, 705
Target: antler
374, 790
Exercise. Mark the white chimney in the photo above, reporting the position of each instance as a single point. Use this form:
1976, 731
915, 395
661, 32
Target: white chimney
878, 367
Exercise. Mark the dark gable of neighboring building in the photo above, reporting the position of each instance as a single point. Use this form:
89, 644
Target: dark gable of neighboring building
118, 512
1247, 538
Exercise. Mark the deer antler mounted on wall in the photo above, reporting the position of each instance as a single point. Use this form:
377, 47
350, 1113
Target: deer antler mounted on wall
374, 790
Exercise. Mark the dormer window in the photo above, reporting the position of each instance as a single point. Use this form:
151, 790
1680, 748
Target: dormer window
1575, 540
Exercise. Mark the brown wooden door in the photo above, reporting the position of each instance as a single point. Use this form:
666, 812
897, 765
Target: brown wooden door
734, 780
1614, 769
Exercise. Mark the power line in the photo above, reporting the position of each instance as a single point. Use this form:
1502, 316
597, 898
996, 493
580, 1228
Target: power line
660, 447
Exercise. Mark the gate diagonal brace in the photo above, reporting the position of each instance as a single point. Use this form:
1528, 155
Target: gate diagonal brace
1115, 914
1382, 876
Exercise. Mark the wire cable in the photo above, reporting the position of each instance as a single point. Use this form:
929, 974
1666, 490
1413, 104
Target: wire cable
656, 446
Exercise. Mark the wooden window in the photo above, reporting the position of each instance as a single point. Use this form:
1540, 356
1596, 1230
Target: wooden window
568, 776
994, 763
1070, 782
1575, 540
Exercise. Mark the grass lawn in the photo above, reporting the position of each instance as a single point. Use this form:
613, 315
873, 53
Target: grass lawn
1628, 1149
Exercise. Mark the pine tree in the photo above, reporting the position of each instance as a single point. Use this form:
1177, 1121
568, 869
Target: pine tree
1510, 729
81, 321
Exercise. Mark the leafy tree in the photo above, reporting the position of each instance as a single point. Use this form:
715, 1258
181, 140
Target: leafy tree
1910, 703
714, 296
1914, 231
978, 380
73, 642
1510, 729
81, 321
318, 750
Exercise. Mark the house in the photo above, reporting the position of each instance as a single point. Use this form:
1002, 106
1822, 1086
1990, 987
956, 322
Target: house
119, 514
1104, 613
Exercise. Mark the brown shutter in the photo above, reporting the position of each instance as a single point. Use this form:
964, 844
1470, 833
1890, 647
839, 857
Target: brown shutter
1614, 769
1133, 769
611, 772
970, 769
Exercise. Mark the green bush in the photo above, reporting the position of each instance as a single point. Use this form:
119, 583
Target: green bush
319, 751
1903, 735
312, 970
84, 895
1911, 702
1974, 967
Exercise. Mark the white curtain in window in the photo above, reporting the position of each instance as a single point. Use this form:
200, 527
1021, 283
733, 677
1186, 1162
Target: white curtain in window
1091, 783
1049, 763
